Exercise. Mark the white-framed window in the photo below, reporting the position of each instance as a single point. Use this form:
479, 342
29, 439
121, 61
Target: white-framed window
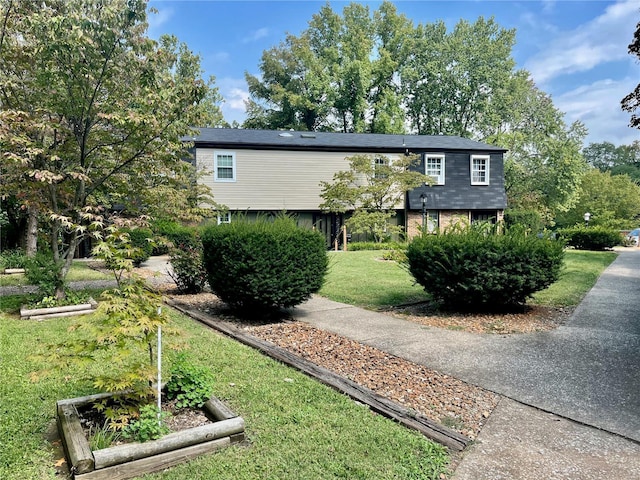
224, 166
433, 221
379, 167
434, 167
479, 169
224, 218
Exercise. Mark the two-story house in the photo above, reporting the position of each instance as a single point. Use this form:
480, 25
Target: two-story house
266, 172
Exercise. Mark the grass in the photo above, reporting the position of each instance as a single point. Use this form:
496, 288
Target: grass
296, 427
581, 271
361, 278
78, 271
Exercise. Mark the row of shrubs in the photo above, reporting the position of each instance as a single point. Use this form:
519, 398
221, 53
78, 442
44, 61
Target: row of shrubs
264, 265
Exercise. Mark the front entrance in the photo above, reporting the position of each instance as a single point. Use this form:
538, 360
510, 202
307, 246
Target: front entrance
330, 225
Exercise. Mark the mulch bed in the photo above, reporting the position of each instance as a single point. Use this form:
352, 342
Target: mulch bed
458, 405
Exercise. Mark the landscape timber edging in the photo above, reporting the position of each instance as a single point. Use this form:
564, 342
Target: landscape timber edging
379, 404
134, 459
57, 312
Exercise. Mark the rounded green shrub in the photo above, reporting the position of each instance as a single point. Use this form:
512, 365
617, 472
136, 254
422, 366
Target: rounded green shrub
264, 265
591, 238
473, 268
186, 263
141, 241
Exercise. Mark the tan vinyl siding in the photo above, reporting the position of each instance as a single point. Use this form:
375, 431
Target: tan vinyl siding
273, 180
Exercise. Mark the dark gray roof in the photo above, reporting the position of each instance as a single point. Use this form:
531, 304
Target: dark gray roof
367, 142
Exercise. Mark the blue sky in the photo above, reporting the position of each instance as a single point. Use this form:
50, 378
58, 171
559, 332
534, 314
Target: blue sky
576, 51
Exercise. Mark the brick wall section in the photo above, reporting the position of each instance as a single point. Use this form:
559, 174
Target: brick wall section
414, 224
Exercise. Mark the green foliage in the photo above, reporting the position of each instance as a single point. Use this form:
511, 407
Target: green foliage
529, 220
591, 238
148, 426
42, 270
188, 270
185, 249
264, 265
612, 200
474, 268
121, 336
176, 234
190, 384
373, 188
543, 165
103, 436
142, 243
93, 113
620, 160
12, 259
119, 253
72, 297
356, 246
395, 255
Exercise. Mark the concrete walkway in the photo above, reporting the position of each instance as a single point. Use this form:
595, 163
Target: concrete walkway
587, 370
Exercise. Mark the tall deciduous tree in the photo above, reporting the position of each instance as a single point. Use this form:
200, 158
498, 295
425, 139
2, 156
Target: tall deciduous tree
93, 111
454, 82
631, 103
372, 189
619, 160
340, 74
612, 200
543, 165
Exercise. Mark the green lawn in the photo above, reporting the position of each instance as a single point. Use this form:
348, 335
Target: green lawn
78, 271
296, 427
362, 278
580, 273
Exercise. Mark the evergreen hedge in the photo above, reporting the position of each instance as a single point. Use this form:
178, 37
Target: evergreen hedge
591, 238
264, 265
473, 268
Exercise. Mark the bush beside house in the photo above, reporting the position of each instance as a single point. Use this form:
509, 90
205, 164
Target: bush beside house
591, 238
264, 265
473, 268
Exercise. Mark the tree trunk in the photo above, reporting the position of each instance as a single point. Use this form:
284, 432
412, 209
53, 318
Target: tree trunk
32, 232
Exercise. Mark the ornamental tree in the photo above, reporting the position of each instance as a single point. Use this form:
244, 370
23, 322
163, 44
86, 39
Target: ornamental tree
92, 113
372, 189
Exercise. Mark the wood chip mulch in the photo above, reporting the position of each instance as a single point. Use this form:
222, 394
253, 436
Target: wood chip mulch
441, 398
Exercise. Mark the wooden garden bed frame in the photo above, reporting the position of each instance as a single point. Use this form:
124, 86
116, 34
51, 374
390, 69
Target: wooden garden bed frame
134, 459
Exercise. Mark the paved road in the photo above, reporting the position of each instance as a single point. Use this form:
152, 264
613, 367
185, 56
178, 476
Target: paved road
587, 370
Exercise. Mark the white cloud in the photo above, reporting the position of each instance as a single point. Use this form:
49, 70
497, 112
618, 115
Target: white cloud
603, 39
234, 91
598, 106
156, 20
256, 35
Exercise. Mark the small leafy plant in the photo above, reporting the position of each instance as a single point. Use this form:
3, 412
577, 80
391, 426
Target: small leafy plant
12, 259
103, 436
148, 426
190, 384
